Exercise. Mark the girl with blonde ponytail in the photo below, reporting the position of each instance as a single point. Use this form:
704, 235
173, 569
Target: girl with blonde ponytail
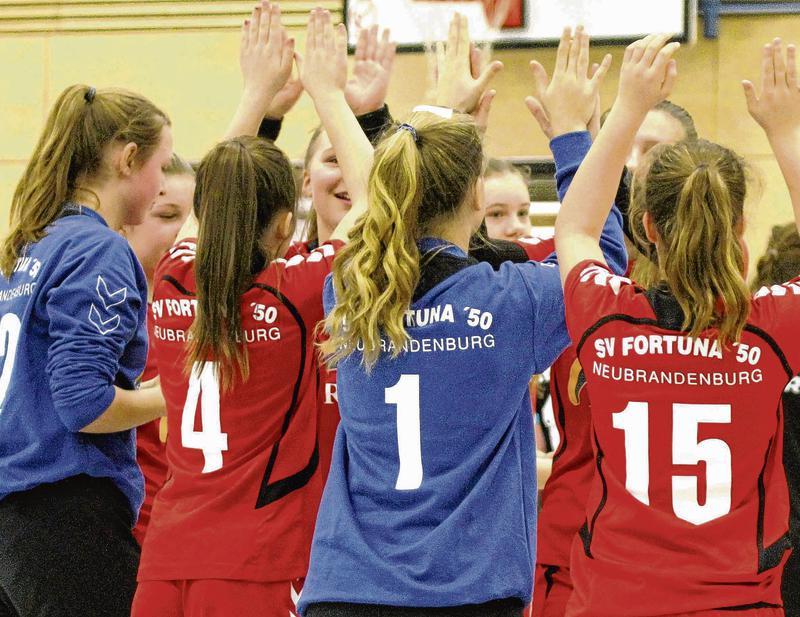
234, 340
433, 468
685, 377
73, 299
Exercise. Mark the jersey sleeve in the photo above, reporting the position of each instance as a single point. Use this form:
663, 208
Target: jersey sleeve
93, 310
775, 309
569, 150
537, 249
591, 292
550, 338
305, 276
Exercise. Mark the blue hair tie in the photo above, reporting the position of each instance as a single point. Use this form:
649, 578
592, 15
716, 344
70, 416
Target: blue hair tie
88, 96
410, 129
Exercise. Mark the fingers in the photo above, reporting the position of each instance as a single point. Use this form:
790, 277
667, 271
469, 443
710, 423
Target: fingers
600, 72
791, 67
474, 61
361, 45
767, 69
463, 36
540, 115
441, 57
670, 78
779, 63
452, 34
654, 47
372, 42
583, 52
488, 73
265, 16
665, 56
340, 41
750, 94
386, 50
255, 18
244, 41
574, 50
540, 79
562, 55
483, 109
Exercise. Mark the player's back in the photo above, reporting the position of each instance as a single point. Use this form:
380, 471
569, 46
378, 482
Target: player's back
244, 484
434, 462
688, 510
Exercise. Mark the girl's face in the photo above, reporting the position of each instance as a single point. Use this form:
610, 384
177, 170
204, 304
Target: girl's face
162, 221
141, 187
507, 206
658, 128
324, 185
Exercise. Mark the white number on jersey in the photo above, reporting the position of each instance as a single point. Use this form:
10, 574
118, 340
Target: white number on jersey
405, 394
686, 450
210, 438
9, 338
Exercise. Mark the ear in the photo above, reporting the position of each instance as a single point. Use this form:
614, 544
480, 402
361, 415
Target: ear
127, 159
650, 229
478, 201
285, 226
305, 187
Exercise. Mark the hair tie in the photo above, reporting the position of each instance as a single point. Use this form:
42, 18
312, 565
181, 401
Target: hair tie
410, 129
89, 95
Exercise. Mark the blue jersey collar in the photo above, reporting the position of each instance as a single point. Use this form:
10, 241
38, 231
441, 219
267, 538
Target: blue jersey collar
429, 244
71, 209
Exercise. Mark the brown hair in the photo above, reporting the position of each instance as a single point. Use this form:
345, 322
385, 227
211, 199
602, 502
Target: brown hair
695, 192
418, 181
178, 166
242, 184
499, 167
781, 262
82, 122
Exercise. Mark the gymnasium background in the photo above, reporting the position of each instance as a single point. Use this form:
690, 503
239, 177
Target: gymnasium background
184, 56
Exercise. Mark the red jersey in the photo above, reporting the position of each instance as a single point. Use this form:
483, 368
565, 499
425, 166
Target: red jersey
327, 396
244, 485
537, 248
151, 446
564, 496
688, 509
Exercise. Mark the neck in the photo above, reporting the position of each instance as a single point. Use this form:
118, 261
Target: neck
324, 232
102, 201
456, 231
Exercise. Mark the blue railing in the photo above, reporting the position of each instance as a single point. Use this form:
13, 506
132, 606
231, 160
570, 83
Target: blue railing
712, 10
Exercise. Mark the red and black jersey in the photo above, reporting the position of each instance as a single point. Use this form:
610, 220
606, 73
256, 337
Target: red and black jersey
151, 448
245, 483
564, 496
688, 510
327, 396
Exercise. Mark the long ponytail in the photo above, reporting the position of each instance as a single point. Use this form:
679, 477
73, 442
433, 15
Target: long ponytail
82, 122
694, 192
241, 185
419, 179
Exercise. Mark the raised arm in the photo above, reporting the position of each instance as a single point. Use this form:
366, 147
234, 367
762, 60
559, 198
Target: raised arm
777, 110
647, 76
324, 75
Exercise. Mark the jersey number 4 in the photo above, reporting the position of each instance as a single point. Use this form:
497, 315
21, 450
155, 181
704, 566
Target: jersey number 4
204, 386
686, 450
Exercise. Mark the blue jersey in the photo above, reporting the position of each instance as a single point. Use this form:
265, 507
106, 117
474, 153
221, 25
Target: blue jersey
431, 497
72, 325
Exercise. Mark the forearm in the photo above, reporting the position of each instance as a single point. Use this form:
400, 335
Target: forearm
128, 409
353, 150
248, 115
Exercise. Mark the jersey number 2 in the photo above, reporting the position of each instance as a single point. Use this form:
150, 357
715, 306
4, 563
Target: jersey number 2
686, 450
405, 394
203, 385
9, 338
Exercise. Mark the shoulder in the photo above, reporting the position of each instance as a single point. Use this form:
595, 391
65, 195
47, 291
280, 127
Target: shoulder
177, 266
537, 248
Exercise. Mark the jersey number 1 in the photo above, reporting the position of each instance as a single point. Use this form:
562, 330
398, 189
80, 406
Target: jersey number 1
686, 450
405, 394
203, 385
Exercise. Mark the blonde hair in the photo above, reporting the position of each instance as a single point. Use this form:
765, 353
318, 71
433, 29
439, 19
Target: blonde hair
418, 180
242, 184
80, 125
694, 192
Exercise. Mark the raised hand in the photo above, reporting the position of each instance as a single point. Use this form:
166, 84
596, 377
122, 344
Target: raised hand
323, 70
777, 108
266, 57
456, 87
366, 89
266, 53
648, 73
570, 100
